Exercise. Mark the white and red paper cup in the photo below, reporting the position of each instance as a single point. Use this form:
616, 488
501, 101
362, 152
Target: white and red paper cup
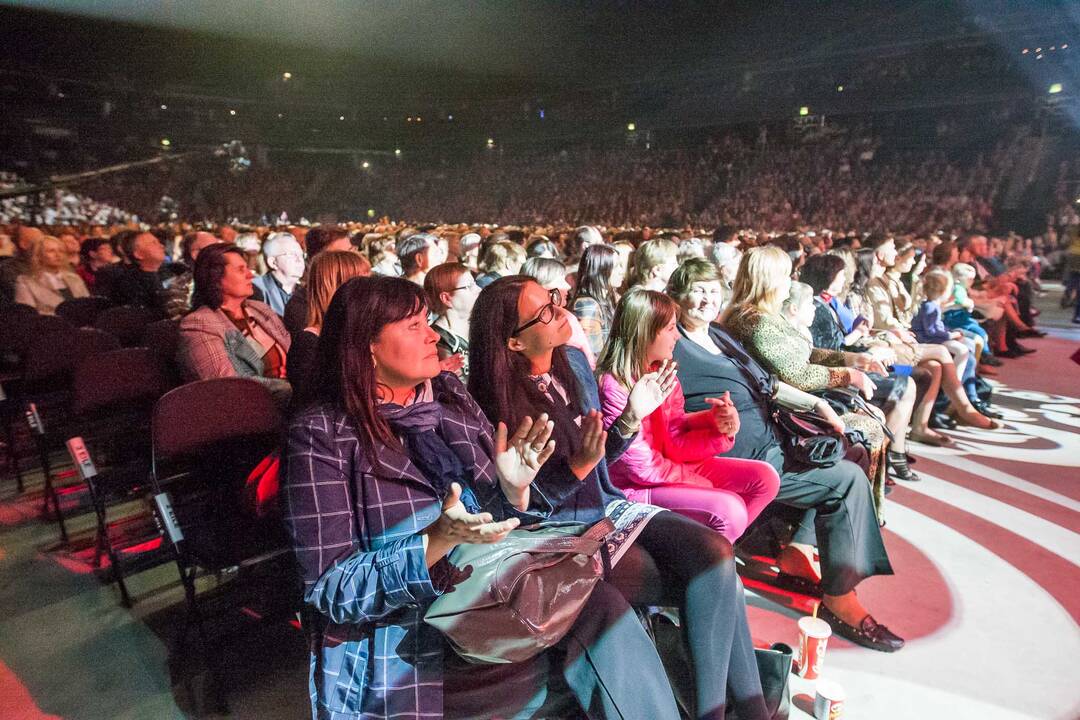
829, 700
813, 637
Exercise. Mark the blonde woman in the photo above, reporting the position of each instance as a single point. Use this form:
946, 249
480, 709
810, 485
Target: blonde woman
652, 264
328, 271
50, 280
754, 318
500, 259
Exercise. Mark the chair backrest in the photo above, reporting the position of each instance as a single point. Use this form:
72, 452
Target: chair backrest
53, 354
130, 376
19, 329
82, 312
126, 322
163, 338
207, 413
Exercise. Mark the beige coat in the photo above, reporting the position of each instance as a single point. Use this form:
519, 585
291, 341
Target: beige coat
38, 293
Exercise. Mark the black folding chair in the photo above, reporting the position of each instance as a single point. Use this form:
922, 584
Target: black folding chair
163, 339
207, 437
82, 312
114, 397
126, 322
44, 392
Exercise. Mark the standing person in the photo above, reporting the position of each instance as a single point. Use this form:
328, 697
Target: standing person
227, 334
451, 293
384, 474
49, 280
520, 367
329, 271
285, 267
672, 462
593, 300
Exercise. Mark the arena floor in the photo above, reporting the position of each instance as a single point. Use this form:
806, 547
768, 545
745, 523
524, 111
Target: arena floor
986, 550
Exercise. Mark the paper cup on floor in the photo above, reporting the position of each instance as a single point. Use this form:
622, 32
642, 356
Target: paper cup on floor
829, 700
813, 637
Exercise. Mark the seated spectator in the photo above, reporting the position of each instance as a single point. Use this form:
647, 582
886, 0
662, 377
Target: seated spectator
469, 251
551, 274
958, 307
328, 271
451, 293
25, 239
541, 247
499, 259
391, 468
418, 254
652, 264
227, 334
576, 243
97, 265
178, 287
839, 518
141, 281
49, 280
754, 319
285, 266
593, 300
521, 367
671, 462
318, 239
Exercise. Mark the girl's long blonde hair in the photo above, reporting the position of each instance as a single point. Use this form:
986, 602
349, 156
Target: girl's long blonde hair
639, 317
762, 272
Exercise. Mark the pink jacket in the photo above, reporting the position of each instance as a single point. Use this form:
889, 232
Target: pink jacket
671, 443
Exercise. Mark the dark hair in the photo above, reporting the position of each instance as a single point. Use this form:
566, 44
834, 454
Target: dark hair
90, 245
942, 253
185, 246
344, 375
207, 274
499, 377
594, 278
819, 270
724, 233
123, 242
317, 238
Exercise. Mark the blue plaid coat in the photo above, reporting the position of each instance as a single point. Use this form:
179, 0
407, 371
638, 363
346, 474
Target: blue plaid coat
354, 522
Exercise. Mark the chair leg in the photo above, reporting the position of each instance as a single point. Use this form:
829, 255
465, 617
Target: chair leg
13, 455
51, 495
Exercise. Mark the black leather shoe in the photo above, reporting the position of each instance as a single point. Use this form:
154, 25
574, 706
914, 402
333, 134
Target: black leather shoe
869, 633
941, 421
991, 361
794, 583
1031, 333
1024, 350
988, 411
1011, 354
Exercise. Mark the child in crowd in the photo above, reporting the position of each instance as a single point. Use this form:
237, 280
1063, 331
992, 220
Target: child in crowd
799, 309
929, 327
958, 305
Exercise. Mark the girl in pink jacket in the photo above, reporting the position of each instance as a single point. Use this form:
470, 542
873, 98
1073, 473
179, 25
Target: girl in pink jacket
672, 462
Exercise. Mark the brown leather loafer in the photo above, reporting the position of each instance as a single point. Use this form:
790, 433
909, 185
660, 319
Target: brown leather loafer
869, 633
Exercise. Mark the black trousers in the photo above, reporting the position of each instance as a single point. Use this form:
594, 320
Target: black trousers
606, 668
839, 520
679, 562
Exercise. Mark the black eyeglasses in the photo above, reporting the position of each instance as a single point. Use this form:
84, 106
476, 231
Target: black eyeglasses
546, 314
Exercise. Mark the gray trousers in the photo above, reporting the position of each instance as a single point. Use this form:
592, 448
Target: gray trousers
839, 520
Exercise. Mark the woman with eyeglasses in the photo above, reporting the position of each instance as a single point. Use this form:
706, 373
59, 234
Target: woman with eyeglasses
551, 274
521, 367
451, 293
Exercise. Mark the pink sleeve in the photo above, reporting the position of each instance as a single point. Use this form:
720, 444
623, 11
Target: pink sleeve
642, 463
692, 437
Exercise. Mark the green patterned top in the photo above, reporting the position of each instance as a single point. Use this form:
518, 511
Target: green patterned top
783, 351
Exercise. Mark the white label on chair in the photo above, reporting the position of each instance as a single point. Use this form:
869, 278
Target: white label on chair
34, 419
80, 456
168, 516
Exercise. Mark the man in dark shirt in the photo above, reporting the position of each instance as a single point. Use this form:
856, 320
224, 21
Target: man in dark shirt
140, 281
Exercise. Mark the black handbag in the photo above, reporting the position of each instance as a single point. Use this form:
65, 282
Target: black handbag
808, 439
774, 667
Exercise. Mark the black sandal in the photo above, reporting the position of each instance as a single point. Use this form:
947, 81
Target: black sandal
898, 467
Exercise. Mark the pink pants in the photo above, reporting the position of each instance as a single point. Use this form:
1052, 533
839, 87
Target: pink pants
740, 491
